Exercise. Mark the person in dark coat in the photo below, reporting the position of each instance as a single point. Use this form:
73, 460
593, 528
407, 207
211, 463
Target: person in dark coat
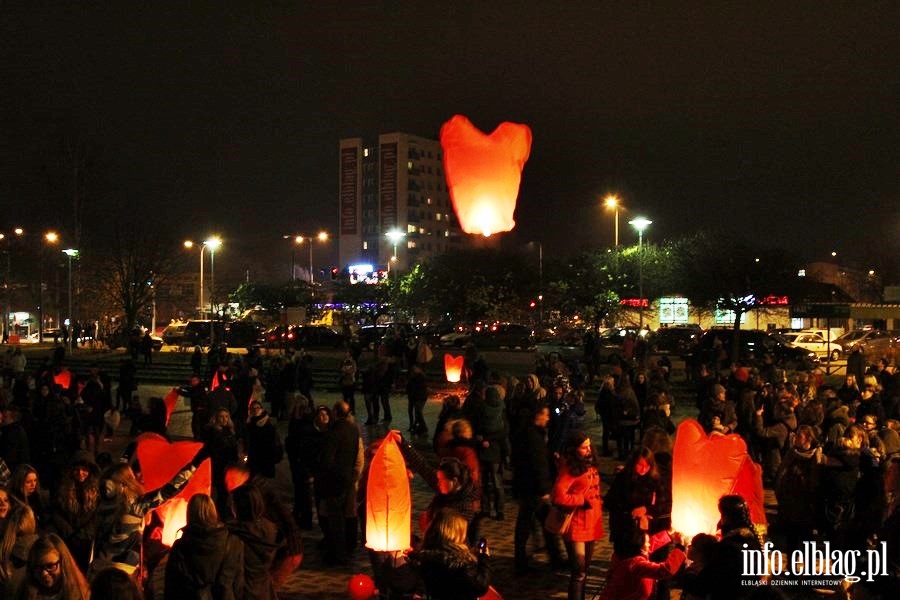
489, 424
206, 562
631, 499
796, 486
856, 364
74, 507
335, 481
147, 348
222, 441
261, 542
263, 445
449, 570
127, 384
532, 483
306, 435
417, 396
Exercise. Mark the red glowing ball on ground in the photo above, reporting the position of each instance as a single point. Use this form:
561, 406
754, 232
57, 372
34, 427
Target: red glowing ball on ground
361, 587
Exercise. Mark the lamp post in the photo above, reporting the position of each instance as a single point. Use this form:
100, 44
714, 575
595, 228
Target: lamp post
612, 202
640, 224
394, 235
51, 238
213, 244
71, 253
322, 236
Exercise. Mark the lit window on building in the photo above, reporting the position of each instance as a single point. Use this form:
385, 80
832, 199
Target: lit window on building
365, 245
437, 217
365, 152
409, 166
428, 201
446, 233
801, 273
410, 244
422, 230
410, 228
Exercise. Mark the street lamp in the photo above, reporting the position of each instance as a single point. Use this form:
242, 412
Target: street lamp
322, 236
213, 244
612, 202
640, 224
51, 238
71, 253
394, 235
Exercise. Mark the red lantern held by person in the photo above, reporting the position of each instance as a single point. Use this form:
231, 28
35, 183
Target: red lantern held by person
388, 499
170, 401
483, 173
160, 461
361, 587
453, 367
705, 468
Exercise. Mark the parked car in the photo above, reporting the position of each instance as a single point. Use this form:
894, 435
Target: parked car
304, 336
875, 343
173, 334
814, 342
120, 338
370, 335
200, 332
674, 340
757, 343
505, 335
459, 337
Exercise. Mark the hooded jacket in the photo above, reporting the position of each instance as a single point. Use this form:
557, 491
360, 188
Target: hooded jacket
205, 564
451, 574
261, 542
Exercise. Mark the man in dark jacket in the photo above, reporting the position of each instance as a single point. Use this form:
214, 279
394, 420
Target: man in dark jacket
335, 480
532, 484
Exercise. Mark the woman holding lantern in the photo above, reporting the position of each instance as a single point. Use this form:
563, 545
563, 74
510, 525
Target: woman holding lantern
577, 489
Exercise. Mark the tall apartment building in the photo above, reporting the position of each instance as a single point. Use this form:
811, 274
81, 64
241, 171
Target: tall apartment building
395, 184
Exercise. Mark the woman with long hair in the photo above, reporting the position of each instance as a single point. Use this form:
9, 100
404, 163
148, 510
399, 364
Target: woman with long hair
206, 559
5, 504
577, 489
122, 509
449, 570
51, 572
631, 501
17, 537
25, 485
74, 515
221, 437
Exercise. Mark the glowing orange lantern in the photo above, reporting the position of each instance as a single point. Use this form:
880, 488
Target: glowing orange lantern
483, 173
160, 462
63, 379
705, 468
453, 366
388, 500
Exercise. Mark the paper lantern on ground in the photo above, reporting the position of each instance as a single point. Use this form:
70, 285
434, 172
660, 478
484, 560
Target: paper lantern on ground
483, 173
160, 461
388, 500
705, 468
361, 587
453, 366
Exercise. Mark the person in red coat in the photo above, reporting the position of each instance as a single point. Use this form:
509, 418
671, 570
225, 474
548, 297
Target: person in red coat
631, 575
577, 488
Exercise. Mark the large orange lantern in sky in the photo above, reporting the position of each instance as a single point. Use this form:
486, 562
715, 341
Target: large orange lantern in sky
705, 468
160, 461
453, 367
483, 173
388, 500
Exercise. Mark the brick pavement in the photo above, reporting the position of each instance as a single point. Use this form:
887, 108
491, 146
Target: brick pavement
316, 581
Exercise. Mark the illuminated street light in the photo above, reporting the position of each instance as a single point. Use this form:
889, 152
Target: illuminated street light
612, 202
51, 238
322, 236
394, 235
213, 244
640, 224
71, 253
18, 231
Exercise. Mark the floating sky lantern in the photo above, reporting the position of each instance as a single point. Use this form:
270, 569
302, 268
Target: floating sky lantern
453, 367
483, 173
63, 379
705, 468
160, 462
388, 500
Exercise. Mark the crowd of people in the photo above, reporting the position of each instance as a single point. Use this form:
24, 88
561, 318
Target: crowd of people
76, 522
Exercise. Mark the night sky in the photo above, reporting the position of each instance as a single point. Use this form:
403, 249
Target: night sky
777, 119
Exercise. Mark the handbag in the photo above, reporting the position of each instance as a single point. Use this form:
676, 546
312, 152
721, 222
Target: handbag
559, 520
